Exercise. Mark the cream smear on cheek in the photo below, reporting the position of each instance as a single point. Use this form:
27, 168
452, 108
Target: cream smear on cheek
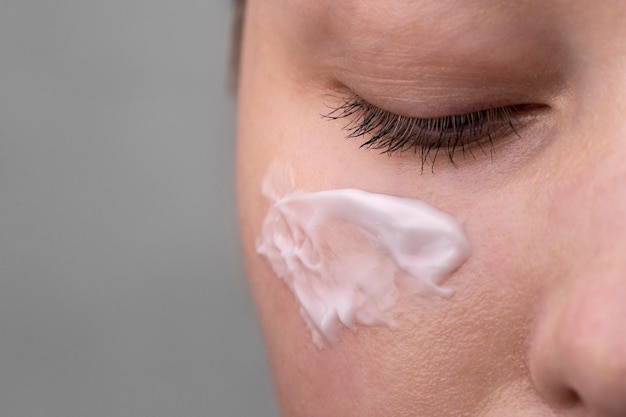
348, 255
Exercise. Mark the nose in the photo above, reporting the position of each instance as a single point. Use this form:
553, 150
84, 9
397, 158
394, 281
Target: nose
577, 356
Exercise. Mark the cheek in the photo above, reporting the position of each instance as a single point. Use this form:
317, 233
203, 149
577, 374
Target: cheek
452, 345
348, 255
451, 349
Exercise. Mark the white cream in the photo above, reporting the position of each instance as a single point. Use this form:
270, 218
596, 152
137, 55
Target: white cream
348, 255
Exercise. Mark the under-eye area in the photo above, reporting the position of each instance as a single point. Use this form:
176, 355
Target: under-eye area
475, 133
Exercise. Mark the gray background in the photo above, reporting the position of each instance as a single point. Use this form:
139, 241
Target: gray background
121, 287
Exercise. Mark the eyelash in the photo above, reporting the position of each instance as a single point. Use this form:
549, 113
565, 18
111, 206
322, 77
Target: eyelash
393, 133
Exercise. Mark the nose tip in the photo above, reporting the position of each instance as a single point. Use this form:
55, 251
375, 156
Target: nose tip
579, 359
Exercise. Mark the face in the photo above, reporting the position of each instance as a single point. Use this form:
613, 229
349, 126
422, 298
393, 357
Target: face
509, 116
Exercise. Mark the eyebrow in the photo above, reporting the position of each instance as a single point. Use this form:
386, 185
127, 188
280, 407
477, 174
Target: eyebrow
424, 33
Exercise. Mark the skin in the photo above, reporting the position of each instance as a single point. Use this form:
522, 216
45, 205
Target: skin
537, 325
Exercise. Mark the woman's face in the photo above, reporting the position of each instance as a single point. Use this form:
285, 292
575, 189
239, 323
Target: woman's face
537, 323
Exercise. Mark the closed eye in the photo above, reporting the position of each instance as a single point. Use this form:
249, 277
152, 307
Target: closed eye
427, 137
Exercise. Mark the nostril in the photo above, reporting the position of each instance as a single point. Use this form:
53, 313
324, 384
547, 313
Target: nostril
571, 398
565, 398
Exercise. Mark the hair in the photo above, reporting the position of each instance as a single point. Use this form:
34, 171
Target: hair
237, 34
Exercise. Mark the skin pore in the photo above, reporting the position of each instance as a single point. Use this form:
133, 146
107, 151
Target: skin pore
537, 323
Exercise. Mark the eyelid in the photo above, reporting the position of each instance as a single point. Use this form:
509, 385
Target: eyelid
392, 133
